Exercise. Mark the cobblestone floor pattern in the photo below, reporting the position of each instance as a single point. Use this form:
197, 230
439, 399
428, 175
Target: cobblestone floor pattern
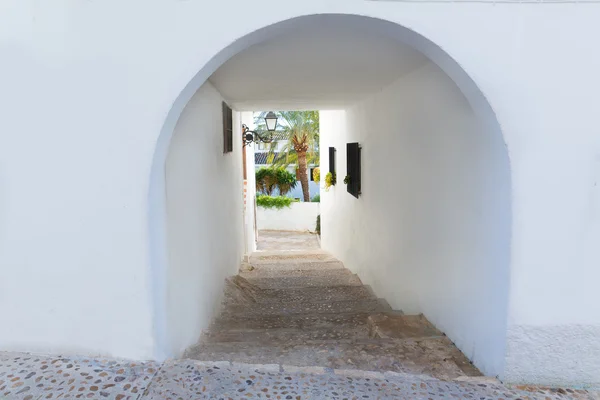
29, 377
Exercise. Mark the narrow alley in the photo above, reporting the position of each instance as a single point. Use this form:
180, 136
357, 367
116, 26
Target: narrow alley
294, 304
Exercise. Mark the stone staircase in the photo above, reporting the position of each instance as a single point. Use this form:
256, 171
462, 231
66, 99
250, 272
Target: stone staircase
305, 309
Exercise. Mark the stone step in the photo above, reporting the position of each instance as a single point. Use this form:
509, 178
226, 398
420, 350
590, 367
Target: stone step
288, 308
316, 294
290, 257
299, 265
306, 281
435, 356
288, 335
293, 273
396, 326
239, 291
304, 322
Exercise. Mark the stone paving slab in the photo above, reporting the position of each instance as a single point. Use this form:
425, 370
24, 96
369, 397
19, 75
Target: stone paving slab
34, 377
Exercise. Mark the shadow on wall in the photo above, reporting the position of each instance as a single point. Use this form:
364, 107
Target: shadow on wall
431, 229
204, 236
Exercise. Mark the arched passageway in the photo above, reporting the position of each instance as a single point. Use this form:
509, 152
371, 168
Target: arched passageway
431, 231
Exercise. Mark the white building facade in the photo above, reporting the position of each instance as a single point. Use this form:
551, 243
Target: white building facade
110, 133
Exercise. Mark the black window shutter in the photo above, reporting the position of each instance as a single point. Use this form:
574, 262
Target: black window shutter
227, 129
353, 168
332, 160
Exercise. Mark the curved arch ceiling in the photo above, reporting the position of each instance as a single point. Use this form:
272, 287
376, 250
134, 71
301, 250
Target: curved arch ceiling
317, 66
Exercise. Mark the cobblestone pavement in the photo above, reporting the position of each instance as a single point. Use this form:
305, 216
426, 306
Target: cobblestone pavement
28, 377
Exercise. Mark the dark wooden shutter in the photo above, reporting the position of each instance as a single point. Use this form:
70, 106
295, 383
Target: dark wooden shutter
227, 129
353, 168
332, 160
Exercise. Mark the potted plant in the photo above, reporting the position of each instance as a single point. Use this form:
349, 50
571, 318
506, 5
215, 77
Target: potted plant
330, 180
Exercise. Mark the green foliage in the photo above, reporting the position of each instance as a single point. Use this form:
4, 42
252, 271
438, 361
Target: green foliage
347, 180
277, 202
330, 180
316, 199
269, 179
317, 174
264, 181
318, 227
285, 181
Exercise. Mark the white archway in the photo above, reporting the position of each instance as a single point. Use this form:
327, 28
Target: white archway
157, 203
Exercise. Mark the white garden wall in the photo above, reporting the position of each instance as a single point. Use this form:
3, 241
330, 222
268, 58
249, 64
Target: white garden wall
298, 217
205, 237
430, 231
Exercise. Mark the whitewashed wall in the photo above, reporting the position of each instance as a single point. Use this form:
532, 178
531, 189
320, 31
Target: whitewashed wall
92, 112
204, 236
297, 217
430, 232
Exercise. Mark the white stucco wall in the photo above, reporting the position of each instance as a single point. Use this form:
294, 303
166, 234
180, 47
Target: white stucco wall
204, 235
296, 217
430, 232
91, 112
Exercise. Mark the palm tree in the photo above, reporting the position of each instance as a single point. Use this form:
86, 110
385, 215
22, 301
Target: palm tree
269, 179
300, 129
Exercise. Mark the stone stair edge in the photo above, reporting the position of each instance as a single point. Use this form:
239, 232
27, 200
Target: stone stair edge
300, 343
364, 314
348, 373
385, 306
291, 273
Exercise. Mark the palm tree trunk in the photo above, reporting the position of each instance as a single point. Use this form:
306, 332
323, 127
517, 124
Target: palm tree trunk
302, 175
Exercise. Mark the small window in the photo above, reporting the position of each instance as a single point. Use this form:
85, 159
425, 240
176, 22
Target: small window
332, 160
227, 129
353, 168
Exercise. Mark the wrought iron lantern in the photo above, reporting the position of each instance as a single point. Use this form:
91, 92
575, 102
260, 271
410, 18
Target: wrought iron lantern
271, 121
249, 136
